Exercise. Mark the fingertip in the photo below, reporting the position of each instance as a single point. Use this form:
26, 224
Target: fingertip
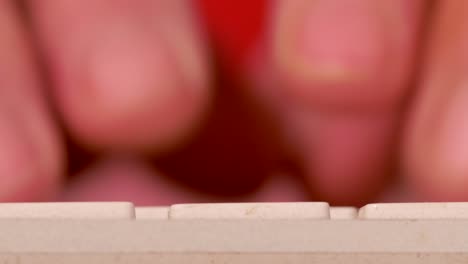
134, 95
352, 55
133, 76
347, 158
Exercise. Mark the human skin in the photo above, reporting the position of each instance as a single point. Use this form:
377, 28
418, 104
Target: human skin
350, 92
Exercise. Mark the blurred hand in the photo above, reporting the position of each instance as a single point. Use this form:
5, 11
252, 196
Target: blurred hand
325, 90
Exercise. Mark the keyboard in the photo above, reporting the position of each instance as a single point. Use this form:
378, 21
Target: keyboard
234, 233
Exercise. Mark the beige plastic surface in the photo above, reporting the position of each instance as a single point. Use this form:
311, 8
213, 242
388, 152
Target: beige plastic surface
343, 212
152, 212
103, 233
78, 210
326, 236
233, 241
306, 210
236, 258
415, 211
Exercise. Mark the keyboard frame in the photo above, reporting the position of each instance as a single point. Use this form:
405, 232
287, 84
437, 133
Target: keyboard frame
233, 241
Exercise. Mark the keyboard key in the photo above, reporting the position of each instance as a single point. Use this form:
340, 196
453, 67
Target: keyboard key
69, 210
343, 212
152, 212
306, 210
415, 211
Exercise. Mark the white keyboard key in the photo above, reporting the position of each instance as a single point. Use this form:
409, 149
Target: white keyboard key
306, 210
415, 211
68, 210
152, 212
343, 212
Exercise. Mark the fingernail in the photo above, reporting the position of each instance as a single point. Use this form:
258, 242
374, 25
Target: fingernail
129, 69
331, 40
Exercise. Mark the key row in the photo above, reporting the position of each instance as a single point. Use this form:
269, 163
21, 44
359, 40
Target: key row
267, 211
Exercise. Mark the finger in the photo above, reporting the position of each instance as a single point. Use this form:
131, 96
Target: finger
343, 48
346, 158
343, 69
436, 149
127, 74
30, 151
